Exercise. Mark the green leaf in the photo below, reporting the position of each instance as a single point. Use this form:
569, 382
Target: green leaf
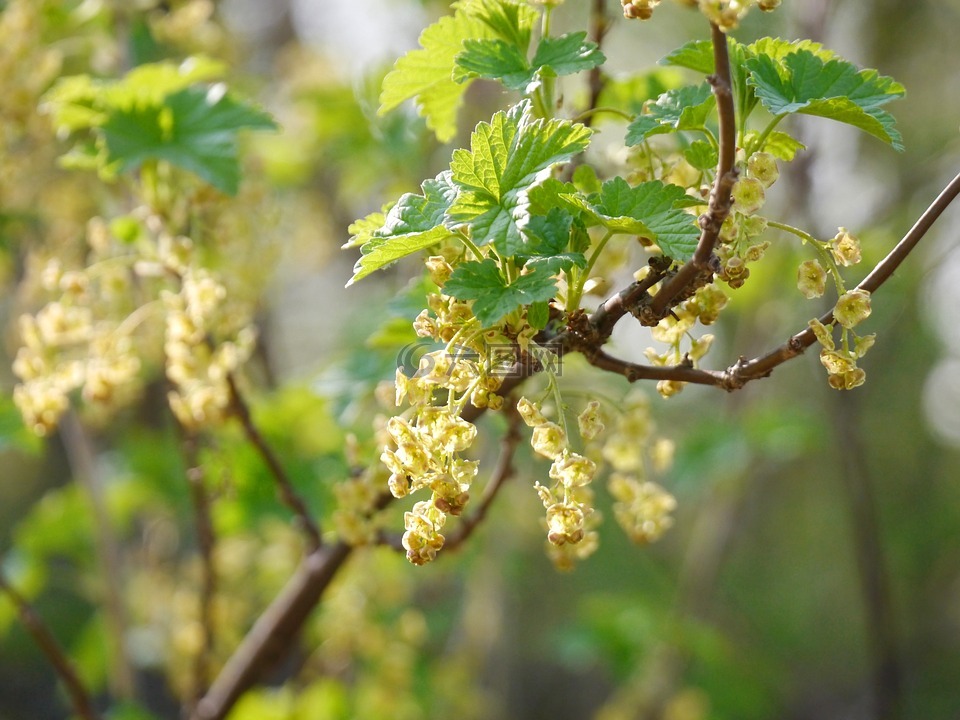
650, 210
195, 129
363, 230
427, 73
509, 20
566, 55
804, 83
413, 224
548, 238
696, 55
495, 60
507, 157
783, 146
685, 108
701, 154
494, 298
503, 61
538, 314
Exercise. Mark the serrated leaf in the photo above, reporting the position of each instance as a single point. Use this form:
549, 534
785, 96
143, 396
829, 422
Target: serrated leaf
548, 239
567, 54
362, 230
414, 223
701, 155
509, 20
804, 83
195, 129
685, 108
494, 60
650, 210
427, 73
782, 146
507, 157
494, 298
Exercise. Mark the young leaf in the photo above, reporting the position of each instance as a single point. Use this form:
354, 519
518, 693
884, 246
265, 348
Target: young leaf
507, 157
427, 73
701, 155
548, 238
413, 224
566, 55
500, 60
650, 210
685, 108
494, 298
195, 129
783, 146
509, 20
804, 83
495, 60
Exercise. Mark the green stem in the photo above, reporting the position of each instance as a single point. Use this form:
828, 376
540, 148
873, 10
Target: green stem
821, 250
464, 238
576, 292
597, 110
762, 138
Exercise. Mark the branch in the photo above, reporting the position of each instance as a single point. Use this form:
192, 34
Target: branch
205, 541
746, 370
80, 458
599, 25
288, 495
79, 696
501, 473
720, 199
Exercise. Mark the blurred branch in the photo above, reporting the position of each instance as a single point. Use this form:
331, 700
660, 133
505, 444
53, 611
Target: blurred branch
205, 542
274, 631
599, 25
288, 495
82, 468
881, 626
79, 696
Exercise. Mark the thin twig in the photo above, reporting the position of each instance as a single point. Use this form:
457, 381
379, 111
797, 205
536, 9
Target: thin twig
80, 697
762, 366
720, 197
288, 495
599, 25
501, 473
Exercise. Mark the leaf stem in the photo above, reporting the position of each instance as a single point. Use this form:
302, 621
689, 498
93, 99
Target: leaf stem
471, 246
759, 142
576, 292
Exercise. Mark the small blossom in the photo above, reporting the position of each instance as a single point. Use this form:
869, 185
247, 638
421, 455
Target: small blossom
573, 470
823, 333
589, 421
548, 440
811, 279
748, 195
852, 308
763, 167
565, 523
845, 248
530, 412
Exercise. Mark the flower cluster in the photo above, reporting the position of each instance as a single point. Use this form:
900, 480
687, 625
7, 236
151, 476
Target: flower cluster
642, 508
727, 14
703, 306
841, 363
570, 517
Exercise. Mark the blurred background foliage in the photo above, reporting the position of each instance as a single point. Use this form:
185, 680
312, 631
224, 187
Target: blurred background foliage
814, 568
